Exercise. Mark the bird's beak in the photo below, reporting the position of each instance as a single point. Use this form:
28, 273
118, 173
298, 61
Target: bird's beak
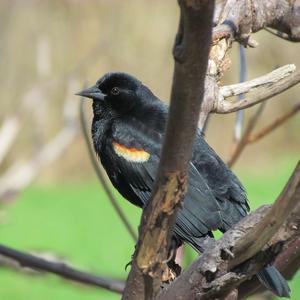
92, 92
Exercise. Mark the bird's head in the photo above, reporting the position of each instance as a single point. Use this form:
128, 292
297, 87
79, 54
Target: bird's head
120, 91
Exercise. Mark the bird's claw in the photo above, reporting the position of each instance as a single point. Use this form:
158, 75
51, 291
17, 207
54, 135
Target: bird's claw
127, 265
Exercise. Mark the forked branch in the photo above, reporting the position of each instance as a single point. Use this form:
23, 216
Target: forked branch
158, 218
236, 20
251, 244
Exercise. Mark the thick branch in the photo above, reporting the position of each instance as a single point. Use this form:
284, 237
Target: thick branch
266, 228
244, 245
236, 20
158, 218
61, 269
239, 18
287, 262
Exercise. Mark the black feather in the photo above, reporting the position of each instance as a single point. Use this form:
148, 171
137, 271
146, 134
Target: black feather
273, 280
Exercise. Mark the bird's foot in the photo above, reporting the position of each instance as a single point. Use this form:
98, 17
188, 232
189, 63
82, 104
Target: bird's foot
127, 265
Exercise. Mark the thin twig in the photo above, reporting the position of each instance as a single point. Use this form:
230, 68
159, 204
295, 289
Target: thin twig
20, 174
8, 133
275, 124
61, 269
282, 35
101, 176
236, 21
240, 115
12, 124
239, 147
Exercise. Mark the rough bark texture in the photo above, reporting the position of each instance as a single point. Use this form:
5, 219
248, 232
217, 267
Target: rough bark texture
236, 20
213, 275
149, 261
287, 262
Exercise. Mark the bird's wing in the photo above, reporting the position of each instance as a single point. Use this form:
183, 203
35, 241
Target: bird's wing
131, 157
136, 151
225, 186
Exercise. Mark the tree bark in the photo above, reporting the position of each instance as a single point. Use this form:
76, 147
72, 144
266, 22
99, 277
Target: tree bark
149, 260
251, 244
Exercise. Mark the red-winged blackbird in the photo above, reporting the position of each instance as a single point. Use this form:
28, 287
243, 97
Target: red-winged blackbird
127, 131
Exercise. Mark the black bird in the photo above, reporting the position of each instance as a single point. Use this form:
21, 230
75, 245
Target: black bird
127, 131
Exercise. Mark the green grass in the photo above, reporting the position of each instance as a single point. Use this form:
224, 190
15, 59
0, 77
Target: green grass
77, 222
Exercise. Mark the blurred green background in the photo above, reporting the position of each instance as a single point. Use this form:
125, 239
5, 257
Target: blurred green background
48, 50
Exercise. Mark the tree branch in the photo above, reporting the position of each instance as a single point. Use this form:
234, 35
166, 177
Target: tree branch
240, 115
282, 35
101, 176
236, 20
275, 124
270, 223
21, 174
159, 215
263, 93
245, 246
8, 133
255, 84
248, 137
239, 18
240, 146
12, 124
61, 269
287, 262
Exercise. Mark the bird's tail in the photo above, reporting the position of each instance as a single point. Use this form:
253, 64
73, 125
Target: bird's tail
274, 281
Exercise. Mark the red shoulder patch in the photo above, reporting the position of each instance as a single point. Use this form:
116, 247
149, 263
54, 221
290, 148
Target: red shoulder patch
131, 154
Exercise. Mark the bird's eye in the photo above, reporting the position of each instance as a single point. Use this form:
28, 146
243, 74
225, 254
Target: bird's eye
115, 91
